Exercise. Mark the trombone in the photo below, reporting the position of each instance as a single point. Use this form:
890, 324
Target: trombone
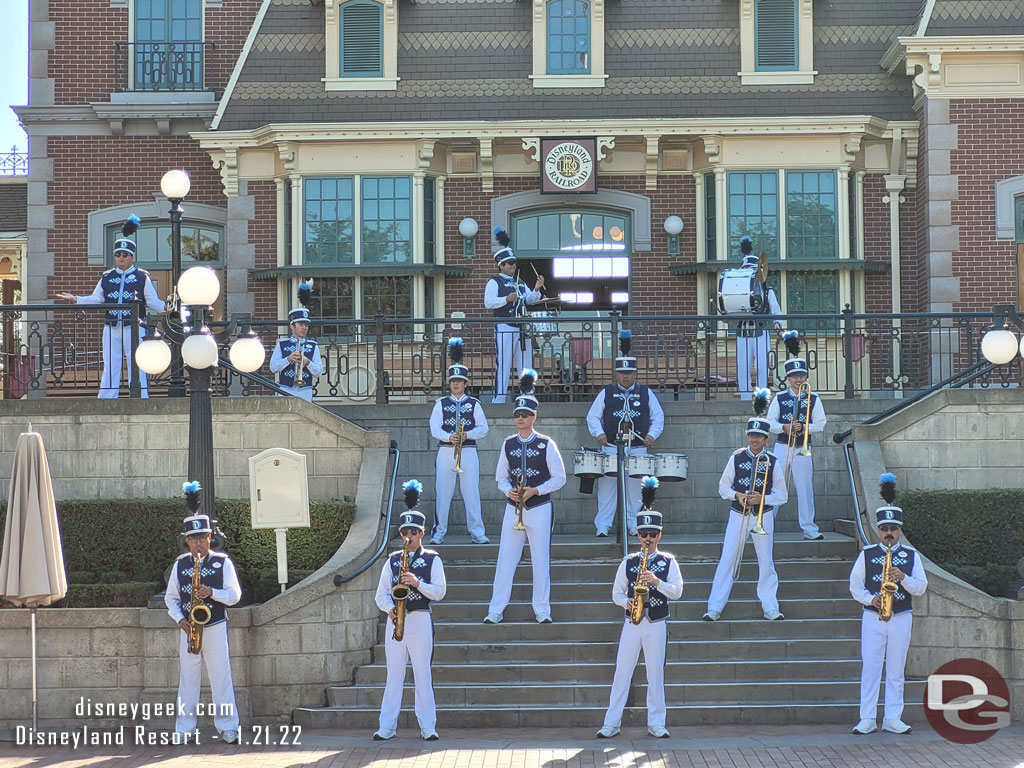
803, 391
762, 465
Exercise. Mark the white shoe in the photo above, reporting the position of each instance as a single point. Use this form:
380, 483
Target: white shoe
816, 537
383, 735
712, 615
543, 618
658, 731
607, 732
895, 725
492, 618
498, 400
773, 615
865, 726
436, 540
632, 531
603, 531
230, 737
481, 540
429, 734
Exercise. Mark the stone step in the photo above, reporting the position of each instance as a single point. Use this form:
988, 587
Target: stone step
571, 673
555, 694
606, 650
842, 713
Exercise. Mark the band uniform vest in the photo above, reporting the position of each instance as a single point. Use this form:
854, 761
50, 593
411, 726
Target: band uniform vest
506, 285
748, 329
286, 377
211, 574
874, 559
530, 457
638, 402
743, 466
788, 405
420, 564
116, 291
658, 564
453, 411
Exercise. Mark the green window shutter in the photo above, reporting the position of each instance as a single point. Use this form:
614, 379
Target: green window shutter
362, 39
775, 35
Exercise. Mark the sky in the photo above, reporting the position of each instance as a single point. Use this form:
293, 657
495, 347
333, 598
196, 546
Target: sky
14, 66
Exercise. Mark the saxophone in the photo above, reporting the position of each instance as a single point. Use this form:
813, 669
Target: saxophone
640, 590
519, 524
199, 613
400, 593
889, 588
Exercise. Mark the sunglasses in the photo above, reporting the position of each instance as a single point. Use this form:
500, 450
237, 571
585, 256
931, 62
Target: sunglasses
888, 528
522, 414
409, 530
647, 534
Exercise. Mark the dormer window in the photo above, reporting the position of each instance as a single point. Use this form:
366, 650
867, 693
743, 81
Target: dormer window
568, 44
362, 45
777, 42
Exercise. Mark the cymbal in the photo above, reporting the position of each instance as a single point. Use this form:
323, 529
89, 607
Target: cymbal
550, 298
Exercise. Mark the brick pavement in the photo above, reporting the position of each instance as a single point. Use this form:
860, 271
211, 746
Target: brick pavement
712, 747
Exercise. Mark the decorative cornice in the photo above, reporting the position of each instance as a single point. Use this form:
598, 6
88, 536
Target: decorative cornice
604, 145
487, 164
651, 161
425, 152
532, 145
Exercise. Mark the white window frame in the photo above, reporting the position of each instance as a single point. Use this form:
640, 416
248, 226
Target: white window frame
540, 76
803, 74
333, 80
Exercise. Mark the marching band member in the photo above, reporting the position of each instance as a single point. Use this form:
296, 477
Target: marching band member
624, 403
880, 639
664, 582
507, 297
532, 461
296, 359
423, 578
740, 485
752, 337
449, 412
787, 414
219, 588
122, 284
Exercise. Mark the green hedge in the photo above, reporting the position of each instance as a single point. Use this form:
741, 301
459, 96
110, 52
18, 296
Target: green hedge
116, 550
976, 535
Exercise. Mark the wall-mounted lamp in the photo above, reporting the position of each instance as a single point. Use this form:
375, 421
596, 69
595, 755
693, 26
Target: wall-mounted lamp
468, 229
1000, 345
673, 226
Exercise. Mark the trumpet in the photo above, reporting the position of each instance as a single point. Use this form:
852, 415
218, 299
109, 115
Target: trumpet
803, 391
762, 464
889, 588
520, 505
640, 590
299, 362
400, 593
460, 435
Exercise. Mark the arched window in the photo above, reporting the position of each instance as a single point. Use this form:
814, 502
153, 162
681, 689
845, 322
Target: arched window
568, 37
362, 39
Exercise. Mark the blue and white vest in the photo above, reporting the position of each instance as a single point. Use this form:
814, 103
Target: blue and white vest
743, 466
531, 458
420, 564
121, 288
658, 564
874, 559
211, 574
506, 285
452, 411
286, 377
788, 406
616, 400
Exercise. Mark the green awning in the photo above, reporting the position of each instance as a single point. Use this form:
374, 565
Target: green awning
802, 265
365, 270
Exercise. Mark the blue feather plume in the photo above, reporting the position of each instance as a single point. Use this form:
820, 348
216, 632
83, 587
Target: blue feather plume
455, 349
746, 245
647, 488
526, 381
625, 341
887, 487
761, 398
502, 236
131, 225
412, 489
305, 292
192, 495
792, 341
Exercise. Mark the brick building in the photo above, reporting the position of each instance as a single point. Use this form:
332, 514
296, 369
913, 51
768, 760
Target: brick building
873, 149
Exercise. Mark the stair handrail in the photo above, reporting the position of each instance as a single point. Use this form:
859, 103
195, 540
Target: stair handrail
858, 513
393, 456
256, 378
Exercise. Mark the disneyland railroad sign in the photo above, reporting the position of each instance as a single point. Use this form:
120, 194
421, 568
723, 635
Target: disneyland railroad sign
568, 165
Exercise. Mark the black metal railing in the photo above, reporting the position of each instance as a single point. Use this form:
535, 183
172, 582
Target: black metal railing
177, 65
14, 163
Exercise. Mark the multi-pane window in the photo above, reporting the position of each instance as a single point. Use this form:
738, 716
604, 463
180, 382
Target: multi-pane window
168, 47
391, 294
812, 293
568, 37
200, 244
362, 39
386, 220
775, 35
710, 230
332, 297
429, 219
327, 218
812, 221
753, 200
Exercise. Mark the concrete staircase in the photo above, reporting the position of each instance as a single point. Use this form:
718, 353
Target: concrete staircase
740, 670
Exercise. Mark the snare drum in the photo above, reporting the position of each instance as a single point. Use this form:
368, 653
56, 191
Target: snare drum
539, 325
587, 464
610, 464
671, 467
642, 466
739, 293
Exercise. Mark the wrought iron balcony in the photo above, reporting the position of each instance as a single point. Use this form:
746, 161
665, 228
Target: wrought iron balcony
13, 163
177, 65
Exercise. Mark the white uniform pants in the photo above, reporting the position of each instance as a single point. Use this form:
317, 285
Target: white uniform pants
803, 484
445, 477
306, 393
510, 551
117, 346
888, 641
652, 637
751, 349
606, 489
416, 646
218, 669
736, 534
506, 340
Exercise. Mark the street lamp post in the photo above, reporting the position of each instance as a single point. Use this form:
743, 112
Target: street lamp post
1000, 345
197, 347
175, 185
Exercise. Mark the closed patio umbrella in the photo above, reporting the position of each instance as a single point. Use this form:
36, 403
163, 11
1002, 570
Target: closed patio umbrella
32, 566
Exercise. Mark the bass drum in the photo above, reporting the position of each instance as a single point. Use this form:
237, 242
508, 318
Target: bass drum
671, 467
588, 464
739, 293
641, 466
